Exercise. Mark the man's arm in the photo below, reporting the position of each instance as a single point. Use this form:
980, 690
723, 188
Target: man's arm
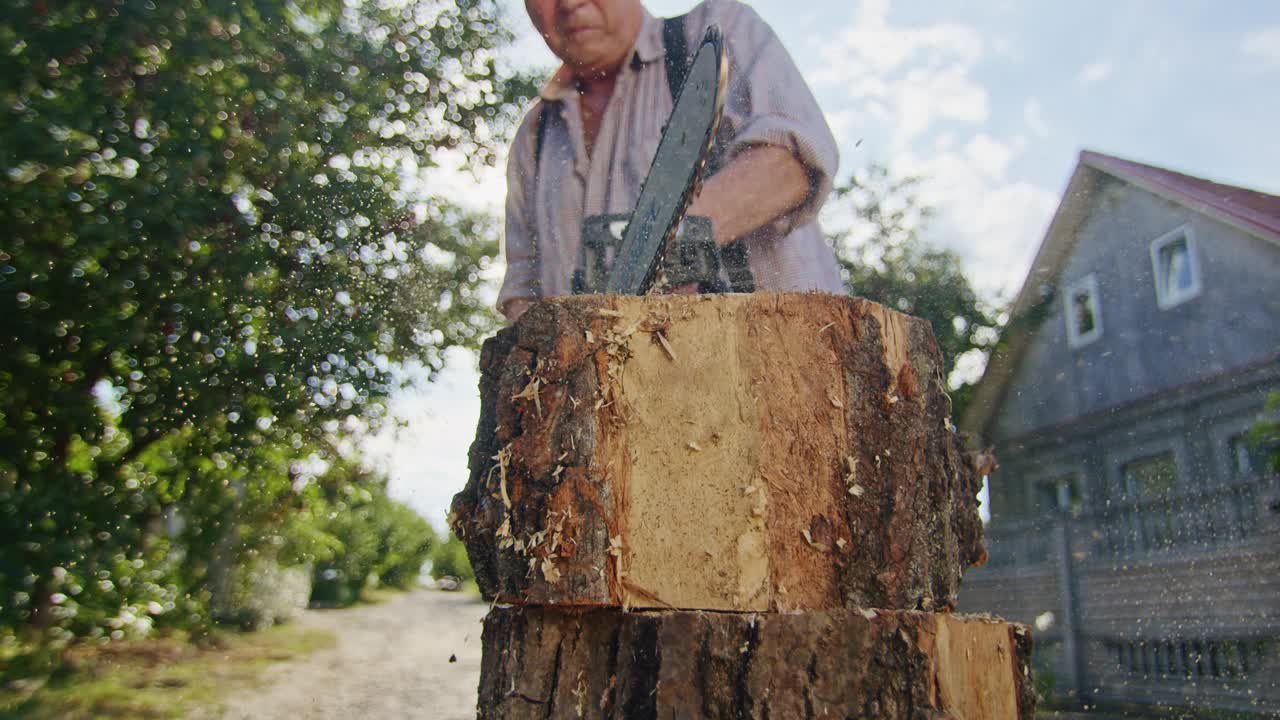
520, 285
762, 183
782, 158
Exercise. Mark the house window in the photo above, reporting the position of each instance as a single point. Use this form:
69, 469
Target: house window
1084, 320
1173, 262
1151, 477
1250, 457
1060, 494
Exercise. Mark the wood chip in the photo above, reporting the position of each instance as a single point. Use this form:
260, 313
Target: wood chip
530, 392
831, 395
666, 346
824, 328
856, 490
868, 613
694, 446
606, 312
820, 547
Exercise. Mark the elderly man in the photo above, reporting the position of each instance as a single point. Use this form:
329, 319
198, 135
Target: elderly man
585, 147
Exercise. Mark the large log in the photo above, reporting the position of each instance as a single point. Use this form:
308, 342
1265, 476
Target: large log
552, 663
735, 452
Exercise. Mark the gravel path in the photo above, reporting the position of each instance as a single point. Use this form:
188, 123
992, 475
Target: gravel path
391, 661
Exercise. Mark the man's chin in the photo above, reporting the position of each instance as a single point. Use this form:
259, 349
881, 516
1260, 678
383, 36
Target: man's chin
587, 64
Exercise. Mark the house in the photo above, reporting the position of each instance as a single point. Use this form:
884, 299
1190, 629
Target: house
1132, 523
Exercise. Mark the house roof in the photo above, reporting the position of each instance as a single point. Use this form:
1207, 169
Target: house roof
1250, 211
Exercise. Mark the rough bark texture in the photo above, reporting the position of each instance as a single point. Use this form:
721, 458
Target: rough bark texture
735, 452
553, 663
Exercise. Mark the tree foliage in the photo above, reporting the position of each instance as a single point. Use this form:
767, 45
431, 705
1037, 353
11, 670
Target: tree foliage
213, 259
450, 560
883, 258
368, 538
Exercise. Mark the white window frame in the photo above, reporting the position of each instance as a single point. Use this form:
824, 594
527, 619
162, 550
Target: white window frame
1177, 296
1075, 338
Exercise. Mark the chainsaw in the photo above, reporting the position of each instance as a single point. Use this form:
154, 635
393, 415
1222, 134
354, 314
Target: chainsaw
626, 254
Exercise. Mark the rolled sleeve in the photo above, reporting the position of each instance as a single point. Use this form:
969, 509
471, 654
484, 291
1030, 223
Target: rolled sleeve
769, 103
519, 240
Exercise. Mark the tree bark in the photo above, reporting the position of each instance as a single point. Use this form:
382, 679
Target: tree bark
554, 663
732, 452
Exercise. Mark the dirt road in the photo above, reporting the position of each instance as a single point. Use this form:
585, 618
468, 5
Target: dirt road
391, 661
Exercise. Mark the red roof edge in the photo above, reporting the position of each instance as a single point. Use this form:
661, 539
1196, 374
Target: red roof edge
1253, 209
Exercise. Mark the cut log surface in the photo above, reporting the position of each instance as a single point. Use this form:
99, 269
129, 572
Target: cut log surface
554, 663
725, 452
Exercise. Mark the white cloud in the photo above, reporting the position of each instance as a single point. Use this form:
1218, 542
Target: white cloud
920, 85
425, 451
1094, 73
916, 76
1263, 46
988, 155
993, 223
1033, 115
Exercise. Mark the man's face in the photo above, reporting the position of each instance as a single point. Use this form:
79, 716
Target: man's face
588, 35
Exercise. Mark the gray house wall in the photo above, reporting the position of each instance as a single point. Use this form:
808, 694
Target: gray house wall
1172, 599
1143, 349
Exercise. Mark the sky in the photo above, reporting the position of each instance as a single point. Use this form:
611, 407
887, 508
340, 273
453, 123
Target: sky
990, 102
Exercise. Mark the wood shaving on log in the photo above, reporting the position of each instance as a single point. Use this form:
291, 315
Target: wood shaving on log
666, 346
530, 392
808, 538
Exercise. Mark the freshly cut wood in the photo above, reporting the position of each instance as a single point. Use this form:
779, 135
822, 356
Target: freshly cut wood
555, 663
734, 452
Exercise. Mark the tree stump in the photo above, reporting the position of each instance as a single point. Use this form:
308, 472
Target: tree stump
728, 452
552, 663
786, 462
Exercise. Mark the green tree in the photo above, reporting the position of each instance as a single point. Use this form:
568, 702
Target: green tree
368, 538
883, 259
211, 261
450, 559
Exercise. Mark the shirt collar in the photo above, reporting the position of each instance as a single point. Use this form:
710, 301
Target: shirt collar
648, 48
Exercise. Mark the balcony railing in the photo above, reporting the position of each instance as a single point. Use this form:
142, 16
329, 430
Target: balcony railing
1201, 518
1198, 518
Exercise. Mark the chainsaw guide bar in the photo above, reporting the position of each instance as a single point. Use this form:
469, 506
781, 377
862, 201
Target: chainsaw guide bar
677, 168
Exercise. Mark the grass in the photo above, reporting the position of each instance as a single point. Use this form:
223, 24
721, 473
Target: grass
157, 679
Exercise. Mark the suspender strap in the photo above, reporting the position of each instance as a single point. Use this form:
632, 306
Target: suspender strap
677, 57
539, 139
